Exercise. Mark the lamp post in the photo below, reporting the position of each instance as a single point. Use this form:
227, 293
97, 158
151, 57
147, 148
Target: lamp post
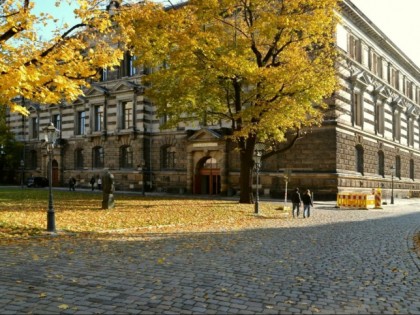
22, 172
50, 135
392, 184
286, 175
2, 153
258, 152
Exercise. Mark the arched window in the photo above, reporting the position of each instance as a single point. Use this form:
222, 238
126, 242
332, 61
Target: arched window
98, 157
412, 169
359, 159
168, 157
381, 163
78, 159
398, 167
126, 157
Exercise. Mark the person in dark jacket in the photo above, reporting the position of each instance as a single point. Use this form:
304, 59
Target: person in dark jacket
296, 201
307, 203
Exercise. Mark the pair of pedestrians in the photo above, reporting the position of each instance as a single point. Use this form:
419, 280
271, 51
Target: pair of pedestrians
306, 199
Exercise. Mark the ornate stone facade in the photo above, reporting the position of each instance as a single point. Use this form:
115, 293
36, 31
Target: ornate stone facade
372, 124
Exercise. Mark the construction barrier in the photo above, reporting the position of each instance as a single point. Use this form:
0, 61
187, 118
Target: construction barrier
355, 200
378, 198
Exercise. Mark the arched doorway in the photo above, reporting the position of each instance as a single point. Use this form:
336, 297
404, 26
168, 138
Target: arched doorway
54, 172
207, 178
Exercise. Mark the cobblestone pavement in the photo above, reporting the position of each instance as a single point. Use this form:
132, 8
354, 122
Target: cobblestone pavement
335, 262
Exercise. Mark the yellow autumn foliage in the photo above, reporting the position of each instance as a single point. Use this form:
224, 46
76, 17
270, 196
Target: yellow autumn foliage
48, 71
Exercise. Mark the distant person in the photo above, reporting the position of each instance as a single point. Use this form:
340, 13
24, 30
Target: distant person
307, 203
92, 183
296, 201
72, 184
99, 183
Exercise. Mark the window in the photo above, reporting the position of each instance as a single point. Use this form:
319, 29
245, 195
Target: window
78, 159
34, 127
376, 65
380, 119
110, 74
412, 169
98, 118
359, 159
398, 167
126, 157
56, 120
168, 157
397, 125
133, 69
354, 48
358, 109
98, 157
381, 163
33, 159
81, 123
409, 89
127, 115
394, 81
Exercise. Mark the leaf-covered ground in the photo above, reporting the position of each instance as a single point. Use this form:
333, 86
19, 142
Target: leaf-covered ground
23, 212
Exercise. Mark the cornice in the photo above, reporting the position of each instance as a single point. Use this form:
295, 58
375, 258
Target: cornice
355, 15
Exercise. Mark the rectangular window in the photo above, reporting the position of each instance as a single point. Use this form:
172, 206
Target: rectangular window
56, 120
397, 126
98, 116
381, 119
354, 48
376, 65
34, 127
127, 115
394, 78
81, 122
358, 109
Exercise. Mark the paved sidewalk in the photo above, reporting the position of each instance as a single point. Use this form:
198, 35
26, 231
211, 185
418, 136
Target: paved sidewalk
335, 262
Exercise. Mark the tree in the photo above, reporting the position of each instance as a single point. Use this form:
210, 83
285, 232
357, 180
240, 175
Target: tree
56, 69
263, 66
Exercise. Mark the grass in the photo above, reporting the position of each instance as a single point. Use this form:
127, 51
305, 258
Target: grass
23, 212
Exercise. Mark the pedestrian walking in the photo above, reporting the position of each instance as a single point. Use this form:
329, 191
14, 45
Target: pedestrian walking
72, 184
92, 183
307, 203
99, 183
296, 201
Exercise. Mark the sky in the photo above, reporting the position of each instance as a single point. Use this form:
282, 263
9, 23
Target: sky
397, 19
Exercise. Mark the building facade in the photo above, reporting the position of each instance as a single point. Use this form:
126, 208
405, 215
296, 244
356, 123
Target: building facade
370, 137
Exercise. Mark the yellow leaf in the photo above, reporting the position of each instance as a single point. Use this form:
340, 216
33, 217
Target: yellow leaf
63, 306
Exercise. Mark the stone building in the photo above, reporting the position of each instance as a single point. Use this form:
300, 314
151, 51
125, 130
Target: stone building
370, 137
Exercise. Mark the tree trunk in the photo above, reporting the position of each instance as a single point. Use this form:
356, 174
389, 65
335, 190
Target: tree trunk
247, 163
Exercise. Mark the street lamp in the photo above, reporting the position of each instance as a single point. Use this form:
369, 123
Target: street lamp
2, 153
392, 184
50, 135
258, 152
